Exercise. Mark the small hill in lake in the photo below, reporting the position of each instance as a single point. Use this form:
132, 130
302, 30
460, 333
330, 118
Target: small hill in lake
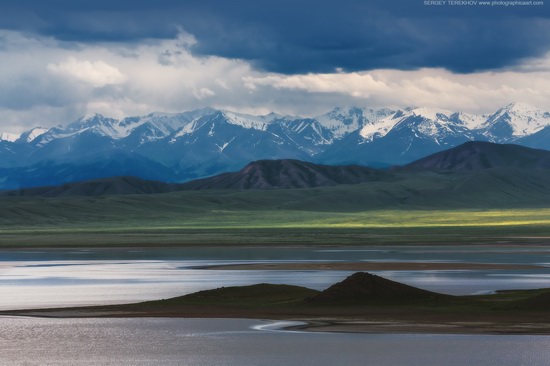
364, 288
361, 288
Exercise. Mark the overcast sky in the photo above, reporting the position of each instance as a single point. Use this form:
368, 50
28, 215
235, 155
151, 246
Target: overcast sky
60, 59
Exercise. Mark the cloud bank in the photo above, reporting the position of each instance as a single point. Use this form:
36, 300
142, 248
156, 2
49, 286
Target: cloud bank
302, 36
64, 58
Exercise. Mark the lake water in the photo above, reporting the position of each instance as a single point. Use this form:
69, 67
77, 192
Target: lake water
34, 279
205, 342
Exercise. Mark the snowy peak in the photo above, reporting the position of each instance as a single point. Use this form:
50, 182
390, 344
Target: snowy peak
156, 126
344, 120
429, 123
208, 141
514, 121
250, 121
95, 123
441, 115
444, 116
469, 121
423, 121
141, 129
521, 108
378, 129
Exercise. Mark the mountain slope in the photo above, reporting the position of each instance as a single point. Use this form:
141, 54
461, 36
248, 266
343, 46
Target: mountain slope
401, 138
99, 165
475, 174
115, 186
271, 174
206, 142
223, 141
477, 155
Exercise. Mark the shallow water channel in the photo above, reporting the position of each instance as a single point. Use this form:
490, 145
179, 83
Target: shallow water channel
34, 279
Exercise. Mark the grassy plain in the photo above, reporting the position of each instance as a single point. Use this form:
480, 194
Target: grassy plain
332, 215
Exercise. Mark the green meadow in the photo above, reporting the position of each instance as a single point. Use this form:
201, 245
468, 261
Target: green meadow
333, 215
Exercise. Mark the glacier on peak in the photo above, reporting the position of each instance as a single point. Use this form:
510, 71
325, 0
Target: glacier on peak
250, 121
432, 114
345, 119
431, 122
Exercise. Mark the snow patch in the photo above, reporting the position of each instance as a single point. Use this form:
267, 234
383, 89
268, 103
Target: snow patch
433, 114
249, 121
344, 120
224, 145
11, 137
470, 121
35, 132
378, 128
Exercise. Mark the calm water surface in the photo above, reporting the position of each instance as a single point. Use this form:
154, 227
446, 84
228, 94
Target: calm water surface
25, 341
34, 279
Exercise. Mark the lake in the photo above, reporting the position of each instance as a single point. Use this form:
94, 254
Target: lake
51, 278
34, 279
205, 342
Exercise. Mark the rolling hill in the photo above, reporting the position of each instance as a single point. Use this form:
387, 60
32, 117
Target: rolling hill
276, 174
484, 155
475, 174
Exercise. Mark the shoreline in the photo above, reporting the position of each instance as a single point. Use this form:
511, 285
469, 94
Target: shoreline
388, 327
325, 325
370, 266
413, 318
406, 318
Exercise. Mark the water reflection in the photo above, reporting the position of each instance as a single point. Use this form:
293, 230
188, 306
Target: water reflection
206, 342
92, 277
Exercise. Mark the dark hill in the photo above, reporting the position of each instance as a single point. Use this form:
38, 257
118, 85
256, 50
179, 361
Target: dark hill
477, 155
97, 187
365, 288
260, 294
263, 174
360, 288
475, 174
270, 174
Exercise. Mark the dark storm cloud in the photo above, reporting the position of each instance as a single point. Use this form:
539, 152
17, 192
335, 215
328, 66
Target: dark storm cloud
303, 36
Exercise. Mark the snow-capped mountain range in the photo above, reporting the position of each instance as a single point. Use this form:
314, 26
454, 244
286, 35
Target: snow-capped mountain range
203, 142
